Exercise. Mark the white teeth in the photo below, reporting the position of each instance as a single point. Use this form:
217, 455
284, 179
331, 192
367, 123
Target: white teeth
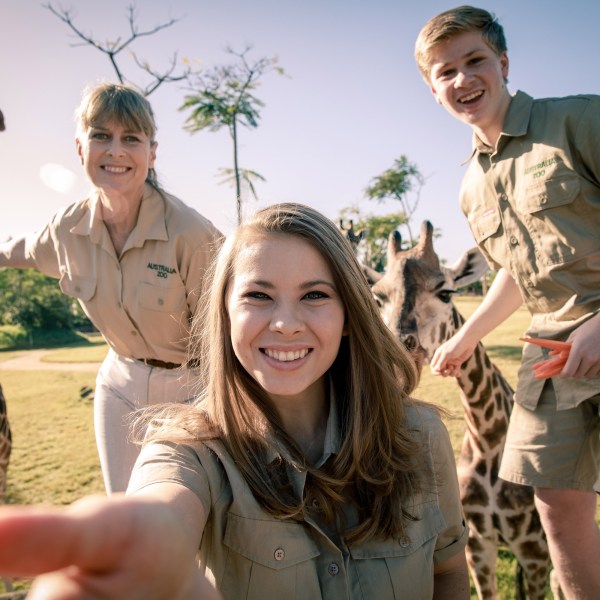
286, 356
471, 96
115, 169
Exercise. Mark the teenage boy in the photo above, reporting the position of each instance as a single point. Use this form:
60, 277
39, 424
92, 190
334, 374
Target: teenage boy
531, 195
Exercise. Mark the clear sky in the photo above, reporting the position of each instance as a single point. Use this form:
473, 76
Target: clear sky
353, 102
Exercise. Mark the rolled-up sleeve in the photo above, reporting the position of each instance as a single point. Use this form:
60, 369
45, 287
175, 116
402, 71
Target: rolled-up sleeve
166, 462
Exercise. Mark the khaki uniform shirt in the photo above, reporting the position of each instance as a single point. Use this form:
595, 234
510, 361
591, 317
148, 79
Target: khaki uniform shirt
142, 300
533, 205
252, 555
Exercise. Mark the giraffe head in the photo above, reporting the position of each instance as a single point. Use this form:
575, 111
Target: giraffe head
350, 234
415, 292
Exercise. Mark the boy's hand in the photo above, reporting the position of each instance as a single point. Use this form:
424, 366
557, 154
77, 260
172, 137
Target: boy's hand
584, 359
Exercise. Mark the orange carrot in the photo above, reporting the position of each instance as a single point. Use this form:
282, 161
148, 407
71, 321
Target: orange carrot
559, 351
544, 343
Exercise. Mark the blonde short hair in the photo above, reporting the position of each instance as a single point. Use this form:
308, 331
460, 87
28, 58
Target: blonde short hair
454, 22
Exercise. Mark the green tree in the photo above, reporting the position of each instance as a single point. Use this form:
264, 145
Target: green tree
224, 97
396, 183
34, 301
374, 231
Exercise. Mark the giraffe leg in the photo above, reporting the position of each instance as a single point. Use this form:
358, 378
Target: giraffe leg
536, 574
481, 559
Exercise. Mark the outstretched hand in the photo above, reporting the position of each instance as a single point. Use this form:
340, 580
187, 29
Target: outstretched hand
449, 357
118, 547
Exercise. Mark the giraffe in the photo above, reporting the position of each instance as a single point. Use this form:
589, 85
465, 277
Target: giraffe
5, 444
5, 449
415, 299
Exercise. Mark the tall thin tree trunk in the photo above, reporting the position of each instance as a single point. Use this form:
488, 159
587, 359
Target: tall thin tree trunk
238, 191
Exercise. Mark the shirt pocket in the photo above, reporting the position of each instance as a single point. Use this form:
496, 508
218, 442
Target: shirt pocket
557, 219
268, 559
406, 564
160, 298
485, 223
77, 286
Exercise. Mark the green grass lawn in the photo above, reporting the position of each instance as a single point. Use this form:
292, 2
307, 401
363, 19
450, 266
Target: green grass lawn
54, 458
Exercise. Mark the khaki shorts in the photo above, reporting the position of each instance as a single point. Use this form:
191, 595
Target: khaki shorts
551, 448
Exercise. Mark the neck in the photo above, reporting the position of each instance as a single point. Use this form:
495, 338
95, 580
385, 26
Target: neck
119, 211
306, 423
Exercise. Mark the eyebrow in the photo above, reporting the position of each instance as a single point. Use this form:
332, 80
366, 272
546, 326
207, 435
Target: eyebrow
443, 66
305, 285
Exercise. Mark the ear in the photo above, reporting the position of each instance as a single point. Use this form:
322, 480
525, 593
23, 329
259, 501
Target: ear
435, 95
504, 65
370, 274
470, 267
79, 148
153, 154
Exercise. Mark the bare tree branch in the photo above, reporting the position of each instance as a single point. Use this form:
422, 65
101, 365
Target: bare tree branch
111, 48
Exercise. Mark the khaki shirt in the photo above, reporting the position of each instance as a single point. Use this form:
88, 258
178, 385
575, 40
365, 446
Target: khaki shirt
252, 555
533, 205
142, 300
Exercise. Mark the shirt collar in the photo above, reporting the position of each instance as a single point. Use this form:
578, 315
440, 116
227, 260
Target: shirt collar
331, 445
516, 123
151, 222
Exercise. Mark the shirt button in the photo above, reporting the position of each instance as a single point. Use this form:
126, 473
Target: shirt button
503, 198
279, 554
77, 288
160, 301
333, 569
404, 541
513, 240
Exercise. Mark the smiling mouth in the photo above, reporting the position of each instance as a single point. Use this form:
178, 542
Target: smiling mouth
117, 170
471, 97
286, 356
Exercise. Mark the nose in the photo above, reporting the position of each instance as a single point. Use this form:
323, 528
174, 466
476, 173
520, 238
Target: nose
286, 320
115, 148
462, 77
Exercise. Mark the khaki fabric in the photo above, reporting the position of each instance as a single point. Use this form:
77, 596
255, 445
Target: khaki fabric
142, 300
250, 554
533, 205
570, 440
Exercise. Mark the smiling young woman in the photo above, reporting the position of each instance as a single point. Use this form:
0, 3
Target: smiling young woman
303, 470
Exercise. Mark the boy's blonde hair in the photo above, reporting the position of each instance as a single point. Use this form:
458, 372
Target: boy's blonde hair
454, 22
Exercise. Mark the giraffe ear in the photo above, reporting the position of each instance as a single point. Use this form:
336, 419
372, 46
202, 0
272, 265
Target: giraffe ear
470, 267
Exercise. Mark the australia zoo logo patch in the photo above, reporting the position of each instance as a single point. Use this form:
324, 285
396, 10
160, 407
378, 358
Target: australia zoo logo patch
162, 271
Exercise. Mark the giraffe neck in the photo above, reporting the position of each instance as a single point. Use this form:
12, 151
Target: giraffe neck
486, 398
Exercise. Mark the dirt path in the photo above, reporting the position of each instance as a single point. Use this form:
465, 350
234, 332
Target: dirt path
31, 361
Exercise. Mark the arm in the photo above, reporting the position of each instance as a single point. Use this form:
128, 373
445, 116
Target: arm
12, 254
142, 546
584, 357
451, 579
501, 301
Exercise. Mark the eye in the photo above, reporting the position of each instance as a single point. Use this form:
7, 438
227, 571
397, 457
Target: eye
132, 139
380, 299
316, 295
256, 295
445, 296
98, 135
